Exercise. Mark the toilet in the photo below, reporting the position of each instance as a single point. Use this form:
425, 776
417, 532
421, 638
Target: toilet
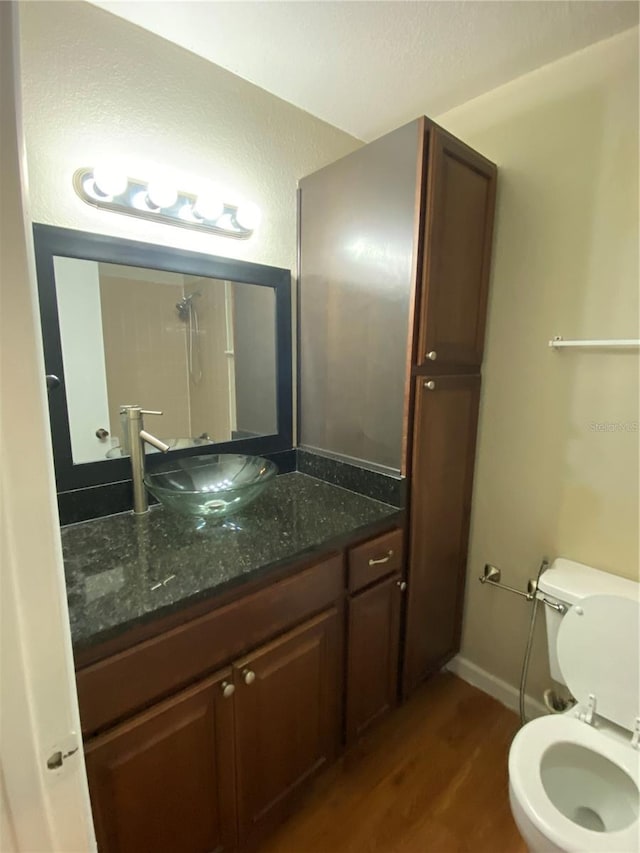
574, 777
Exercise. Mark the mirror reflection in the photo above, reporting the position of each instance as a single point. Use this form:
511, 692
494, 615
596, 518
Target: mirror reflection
201, 350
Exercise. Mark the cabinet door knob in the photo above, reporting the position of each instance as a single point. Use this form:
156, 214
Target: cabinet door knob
228, 689
432, 355
402, 585
430, 385
249, 676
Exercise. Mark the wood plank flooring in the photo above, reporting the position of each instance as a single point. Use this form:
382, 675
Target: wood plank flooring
431, 778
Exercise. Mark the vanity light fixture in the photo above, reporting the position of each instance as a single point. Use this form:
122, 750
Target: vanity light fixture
209, 207
106, 188
108, 182
161, 195
248, 216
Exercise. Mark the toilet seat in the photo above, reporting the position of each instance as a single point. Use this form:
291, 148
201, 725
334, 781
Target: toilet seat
525, 761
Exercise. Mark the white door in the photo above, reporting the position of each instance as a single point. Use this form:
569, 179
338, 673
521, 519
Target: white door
41, 809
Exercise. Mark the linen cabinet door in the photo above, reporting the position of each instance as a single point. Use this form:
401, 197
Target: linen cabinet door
287, 719
457, 255
164, 781
444, 442
372, 658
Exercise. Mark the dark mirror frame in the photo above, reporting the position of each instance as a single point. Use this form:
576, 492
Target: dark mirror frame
51, 242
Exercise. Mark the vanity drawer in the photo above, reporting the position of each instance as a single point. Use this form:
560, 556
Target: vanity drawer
114, 688
375, 559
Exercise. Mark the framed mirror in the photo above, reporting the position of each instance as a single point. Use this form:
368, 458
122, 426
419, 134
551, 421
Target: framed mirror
203, 339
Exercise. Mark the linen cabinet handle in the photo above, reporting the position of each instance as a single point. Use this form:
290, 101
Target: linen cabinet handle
432, 356
380, 560
430, 385
248, 676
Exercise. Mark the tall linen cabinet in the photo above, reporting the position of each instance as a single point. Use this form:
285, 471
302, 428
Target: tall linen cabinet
394, 262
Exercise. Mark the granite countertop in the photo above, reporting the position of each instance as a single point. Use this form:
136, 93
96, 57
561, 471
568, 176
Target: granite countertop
124, 570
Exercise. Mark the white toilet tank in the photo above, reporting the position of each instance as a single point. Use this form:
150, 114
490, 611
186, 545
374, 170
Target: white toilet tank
568, 582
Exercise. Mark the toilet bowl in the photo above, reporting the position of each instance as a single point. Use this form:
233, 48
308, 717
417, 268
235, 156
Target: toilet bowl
574, 777
573, 787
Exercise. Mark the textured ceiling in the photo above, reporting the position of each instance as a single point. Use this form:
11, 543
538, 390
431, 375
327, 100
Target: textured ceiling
367, 67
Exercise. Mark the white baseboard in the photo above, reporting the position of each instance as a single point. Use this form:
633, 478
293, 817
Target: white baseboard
494, 686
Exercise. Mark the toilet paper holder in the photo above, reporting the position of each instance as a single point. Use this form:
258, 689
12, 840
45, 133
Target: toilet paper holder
493, 576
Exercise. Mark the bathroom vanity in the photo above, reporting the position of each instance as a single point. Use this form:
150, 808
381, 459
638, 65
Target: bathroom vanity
221, 665
219, 668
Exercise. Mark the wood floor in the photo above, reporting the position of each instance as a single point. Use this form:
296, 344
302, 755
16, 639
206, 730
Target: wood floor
431, 778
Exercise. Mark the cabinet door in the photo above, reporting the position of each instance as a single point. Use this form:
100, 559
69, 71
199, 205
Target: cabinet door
441, 481
457, 255
372, 660
287, 700
164, 781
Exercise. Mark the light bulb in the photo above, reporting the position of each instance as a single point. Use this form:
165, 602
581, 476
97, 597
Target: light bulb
209, 205
248, 215
161, 194
108, 181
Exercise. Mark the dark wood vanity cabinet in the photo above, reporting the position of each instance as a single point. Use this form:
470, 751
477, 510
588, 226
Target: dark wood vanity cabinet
372, 659
375, 583
456, 235
164, 780
395, 257
221, 762
456, 240
288, 713
441, 481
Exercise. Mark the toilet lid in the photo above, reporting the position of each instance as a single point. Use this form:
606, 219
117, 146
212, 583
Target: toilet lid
598, 643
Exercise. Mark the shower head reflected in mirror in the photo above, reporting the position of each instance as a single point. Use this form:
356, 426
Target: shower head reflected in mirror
188, 314
185, 306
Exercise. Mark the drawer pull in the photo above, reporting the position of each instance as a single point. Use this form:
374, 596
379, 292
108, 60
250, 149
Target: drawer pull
227, 689
248, 676
381, 560
430, 385
402, 585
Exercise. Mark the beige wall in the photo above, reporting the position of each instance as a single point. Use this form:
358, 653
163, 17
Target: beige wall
565, 263
95, 86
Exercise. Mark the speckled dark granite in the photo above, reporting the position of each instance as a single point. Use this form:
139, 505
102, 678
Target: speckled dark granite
380, 487
122, 570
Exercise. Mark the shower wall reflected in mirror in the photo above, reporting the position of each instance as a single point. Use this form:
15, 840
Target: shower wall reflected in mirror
201, 350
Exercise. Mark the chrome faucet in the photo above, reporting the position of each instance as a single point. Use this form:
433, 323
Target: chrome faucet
135, 436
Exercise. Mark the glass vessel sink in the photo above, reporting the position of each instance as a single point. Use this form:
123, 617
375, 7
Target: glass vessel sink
209, 486
118, 452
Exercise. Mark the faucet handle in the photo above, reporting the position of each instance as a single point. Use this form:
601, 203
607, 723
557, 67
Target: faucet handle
145, 412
